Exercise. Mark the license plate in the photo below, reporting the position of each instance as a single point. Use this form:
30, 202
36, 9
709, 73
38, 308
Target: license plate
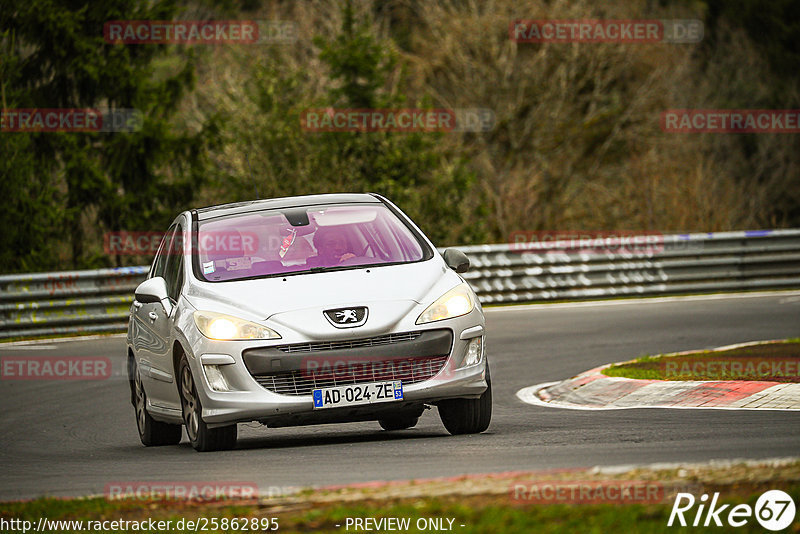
355, 394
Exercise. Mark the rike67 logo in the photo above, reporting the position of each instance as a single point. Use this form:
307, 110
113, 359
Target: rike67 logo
774, 510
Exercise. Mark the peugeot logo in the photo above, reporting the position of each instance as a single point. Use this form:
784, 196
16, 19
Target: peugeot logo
347, 317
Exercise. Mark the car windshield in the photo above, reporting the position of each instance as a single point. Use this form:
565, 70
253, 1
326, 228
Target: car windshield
295, 240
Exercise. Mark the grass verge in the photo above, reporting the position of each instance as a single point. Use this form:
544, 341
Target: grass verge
775, 361
485, 504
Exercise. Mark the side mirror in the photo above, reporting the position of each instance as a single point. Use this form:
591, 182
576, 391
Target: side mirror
154, 290
456, 260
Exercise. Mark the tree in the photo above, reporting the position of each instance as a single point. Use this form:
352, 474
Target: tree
412, 169
54, 56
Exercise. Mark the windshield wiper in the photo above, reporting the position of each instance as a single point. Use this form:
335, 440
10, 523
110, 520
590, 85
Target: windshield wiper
324, 269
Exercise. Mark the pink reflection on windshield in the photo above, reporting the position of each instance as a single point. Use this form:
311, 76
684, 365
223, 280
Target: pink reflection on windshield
265, 243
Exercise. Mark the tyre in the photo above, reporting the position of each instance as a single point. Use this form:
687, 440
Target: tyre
152, 433
200, 435
468, 416
398, 423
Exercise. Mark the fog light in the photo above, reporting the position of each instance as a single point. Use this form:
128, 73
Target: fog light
215, 378
474, 352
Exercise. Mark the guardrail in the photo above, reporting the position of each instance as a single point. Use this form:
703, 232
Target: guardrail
98, 301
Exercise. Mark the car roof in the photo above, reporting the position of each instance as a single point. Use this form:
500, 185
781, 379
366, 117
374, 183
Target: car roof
234, 208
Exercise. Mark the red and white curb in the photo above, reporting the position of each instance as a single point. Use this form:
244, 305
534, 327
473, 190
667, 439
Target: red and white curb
592, 390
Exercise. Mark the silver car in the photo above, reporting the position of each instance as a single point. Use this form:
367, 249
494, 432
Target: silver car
299, 311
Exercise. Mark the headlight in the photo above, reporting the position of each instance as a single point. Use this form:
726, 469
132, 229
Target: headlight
458, 301
226, 327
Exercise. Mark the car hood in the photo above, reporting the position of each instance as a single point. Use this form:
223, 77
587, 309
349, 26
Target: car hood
269, 298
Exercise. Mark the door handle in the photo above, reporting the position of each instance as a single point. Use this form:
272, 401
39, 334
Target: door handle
153, 316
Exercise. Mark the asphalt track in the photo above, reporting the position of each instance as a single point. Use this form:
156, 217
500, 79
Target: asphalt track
72, 438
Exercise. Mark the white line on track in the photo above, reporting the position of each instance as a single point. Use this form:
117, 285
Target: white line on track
650, 300
30, 347
528, 396
17, 344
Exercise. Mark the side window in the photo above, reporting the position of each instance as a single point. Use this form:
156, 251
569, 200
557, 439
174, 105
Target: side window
173, 272
160, 262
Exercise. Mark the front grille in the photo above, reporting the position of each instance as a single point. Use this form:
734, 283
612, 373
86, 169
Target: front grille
349, 344
302, 382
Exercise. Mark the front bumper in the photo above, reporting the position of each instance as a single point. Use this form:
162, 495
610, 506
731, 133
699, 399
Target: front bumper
248, 400
281, 410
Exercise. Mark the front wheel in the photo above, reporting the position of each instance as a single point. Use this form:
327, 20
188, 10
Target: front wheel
152, 433
468, 416
200, 435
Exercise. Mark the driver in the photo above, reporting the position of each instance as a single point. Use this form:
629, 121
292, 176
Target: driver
331, 245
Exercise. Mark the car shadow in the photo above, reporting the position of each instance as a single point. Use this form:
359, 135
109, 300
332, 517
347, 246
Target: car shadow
334, 438
310, 436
